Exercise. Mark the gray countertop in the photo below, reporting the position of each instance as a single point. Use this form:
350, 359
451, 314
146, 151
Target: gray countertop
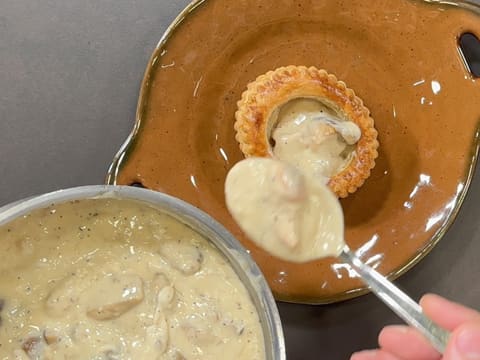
70, 72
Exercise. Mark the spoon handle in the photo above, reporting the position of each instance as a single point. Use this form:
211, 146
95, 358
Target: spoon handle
398, 301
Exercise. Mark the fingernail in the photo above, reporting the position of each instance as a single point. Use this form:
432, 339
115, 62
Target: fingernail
468, 343
402, 329
366, 354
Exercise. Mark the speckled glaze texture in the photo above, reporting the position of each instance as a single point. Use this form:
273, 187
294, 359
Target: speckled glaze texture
400, 57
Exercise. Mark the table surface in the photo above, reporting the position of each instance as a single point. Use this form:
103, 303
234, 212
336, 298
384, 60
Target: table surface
70, 72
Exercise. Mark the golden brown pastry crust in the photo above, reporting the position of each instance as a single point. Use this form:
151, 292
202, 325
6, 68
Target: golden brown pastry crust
275, 88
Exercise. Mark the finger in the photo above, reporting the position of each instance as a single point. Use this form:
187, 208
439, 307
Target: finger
373, 355
446, 313
464, 343
406, 343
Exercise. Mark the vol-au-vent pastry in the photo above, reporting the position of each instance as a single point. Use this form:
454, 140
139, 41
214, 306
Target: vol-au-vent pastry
308, 118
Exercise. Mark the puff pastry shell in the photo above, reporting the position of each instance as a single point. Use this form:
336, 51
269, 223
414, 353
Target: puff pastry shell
270, 91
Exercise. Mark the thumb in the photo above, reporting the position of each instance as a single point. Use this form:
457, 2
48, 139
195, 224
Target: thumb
464, 343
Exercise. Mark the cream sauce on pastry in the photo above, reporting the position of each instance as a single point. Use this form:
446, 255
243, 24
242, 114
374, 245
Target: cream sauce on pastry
313, 138
291, 215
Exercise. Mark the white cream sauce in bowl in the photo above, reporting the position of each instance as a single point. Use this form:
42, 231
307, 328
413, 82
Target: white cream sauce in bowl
133, 274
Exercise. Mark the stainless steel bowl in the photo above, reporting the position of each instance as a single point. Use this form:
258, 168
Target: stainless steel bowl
240, 260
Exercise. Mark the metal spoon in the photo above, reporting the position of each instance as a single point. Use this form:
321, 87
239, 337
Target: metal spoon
398, 301
248, 199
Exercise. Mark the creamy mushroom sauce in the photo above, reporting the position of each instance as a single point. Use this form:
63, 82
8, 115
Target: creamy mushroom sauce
289, 214
117, 279
312, 137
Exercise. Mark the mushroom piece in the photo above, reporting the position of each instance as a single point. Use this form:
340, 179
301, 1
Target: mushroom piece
114, 295
34, 348
63, 296
156, 335
51, 336
183, 257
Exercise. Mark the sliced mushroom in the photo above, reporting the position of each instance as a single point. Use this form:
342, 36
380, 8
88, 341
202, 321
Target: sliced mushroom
63, 297
183, 257
164, 299
32, 346
114, 295
156, 335
159, 281
51, 336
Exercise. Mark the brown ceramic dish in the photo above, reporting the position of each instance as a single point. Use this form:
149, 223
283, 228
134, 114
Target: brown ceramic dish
401, 57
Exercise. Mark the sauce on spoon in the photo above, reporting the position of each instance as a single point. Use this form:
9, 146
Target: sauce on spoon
297, 218
289, 214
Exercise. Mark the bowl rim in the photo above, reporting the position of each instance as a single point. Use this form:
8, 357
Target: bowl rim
239, 258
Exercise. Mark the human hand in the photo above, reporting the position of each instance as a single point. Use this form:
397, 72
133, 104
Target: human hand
400, 342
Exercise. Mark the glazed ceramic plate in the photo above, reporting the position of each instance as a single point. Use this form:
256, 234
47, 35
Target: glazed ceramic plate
401, 57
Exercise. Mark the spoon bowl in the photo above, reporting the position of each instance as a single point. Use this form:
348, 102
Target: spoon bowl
297, 218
